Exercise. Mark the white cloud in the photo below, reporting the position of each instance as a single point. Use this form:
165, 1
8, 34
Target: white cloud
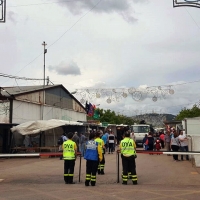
103, 49
124, 8
66, 68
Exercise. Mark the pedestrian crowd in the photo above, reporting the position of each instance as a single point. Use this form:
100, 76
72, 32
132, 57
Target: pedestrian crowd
172, 140
96, 144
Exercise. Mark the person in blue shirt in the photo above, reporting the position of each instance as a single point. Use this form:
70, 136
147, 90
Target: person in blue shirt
105, 139
64, 138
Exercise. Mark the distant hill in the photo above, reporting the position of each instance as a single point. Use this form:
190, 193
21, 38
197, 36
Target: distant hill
155, 119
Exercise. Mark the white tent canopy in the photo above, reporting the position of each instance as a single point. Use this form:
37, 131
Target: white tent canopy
34, 127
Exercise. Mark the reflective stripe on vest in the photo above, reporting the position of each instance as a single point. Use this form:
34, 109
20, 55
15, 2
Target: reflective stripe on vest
127, 147
91, 144
68, 150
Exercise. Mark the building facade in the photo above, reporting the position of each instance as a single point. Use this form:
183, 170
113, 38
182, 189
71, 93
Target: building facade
30, 103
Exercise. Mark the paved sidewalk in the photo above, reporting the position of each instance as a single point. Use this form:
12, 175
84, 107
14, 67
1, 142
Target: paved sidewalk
159, 177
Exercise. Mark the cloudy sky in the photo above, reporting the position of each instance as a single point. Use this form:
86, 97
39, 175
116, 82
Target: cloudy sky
136, 56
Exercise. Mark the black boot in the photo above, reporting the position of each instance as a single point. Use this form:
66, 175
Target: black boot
134, 182
87, 183
102, 172
70, 180
99, 171
66, 179
93, 183
124, 183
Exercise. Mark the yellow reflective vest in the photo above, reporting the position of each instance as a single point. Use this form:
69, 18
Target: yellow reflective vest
101, 143
128, 147
69, 150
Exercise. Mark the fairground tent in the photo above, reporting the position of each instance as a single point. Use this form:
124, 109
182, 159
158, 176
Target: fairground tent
29, 133
34, 127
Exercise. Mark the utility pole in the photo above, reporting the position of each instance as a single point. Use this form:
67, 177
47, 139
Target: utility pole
45, 51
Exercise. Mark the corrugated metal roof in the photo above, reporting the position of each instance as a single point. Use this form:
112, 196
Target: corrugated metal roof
10, 92
24, 89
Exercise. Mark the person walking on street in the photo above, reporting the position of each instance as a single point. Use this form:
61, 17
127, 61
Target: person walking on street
128, 155
167, 141
184, 144
105, 140
93, 155
82, 144
150, 142
62, 139
75, 138
69, 157
106, 135
162, 139
111, 141
101, 164
175, 145
145, 142
132, 135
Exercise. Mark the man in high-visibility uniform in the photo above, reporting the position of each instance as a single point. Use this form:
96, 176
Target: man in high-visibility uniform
101, 164
69, 157
128, 155
93, 153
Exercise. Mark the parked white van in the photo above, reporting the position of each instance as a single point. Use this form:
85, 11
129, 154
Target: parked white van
139, 131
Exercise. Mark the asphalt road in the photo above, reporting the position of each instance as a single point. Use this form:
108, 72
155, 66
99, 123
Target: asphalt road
159, 178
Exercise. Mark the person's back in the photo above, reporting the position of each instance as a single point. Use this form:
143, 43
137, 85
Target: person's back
145, 143
111, 138
75, 138
162, 136
82, 144
93, 156
111, 141
106, 134
69, 156
104, 138
150, 142
82, 139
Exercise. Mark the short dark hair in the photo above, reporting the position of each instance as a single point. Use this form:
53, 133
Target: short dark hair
92, 136
97, 134
127, 134
70, 135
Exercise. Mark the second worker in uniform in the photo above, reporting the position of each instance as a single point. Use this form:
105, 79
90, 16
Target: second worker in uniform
128, 155
93, 155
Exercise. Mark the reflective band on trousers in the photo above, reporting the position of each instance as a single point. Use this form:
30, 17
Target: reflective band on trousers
88, 177
134, 177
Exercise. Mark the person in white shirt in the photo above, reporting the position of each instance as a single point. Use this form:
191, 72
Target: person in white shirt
132, 136
184, 144
111, 141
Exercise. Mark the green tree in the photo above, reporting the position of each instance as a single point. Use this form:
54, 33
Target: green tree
111, 117
188, 113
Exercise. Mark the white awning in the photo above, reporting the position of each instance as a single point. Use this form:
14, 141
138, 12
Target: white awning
34, 127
